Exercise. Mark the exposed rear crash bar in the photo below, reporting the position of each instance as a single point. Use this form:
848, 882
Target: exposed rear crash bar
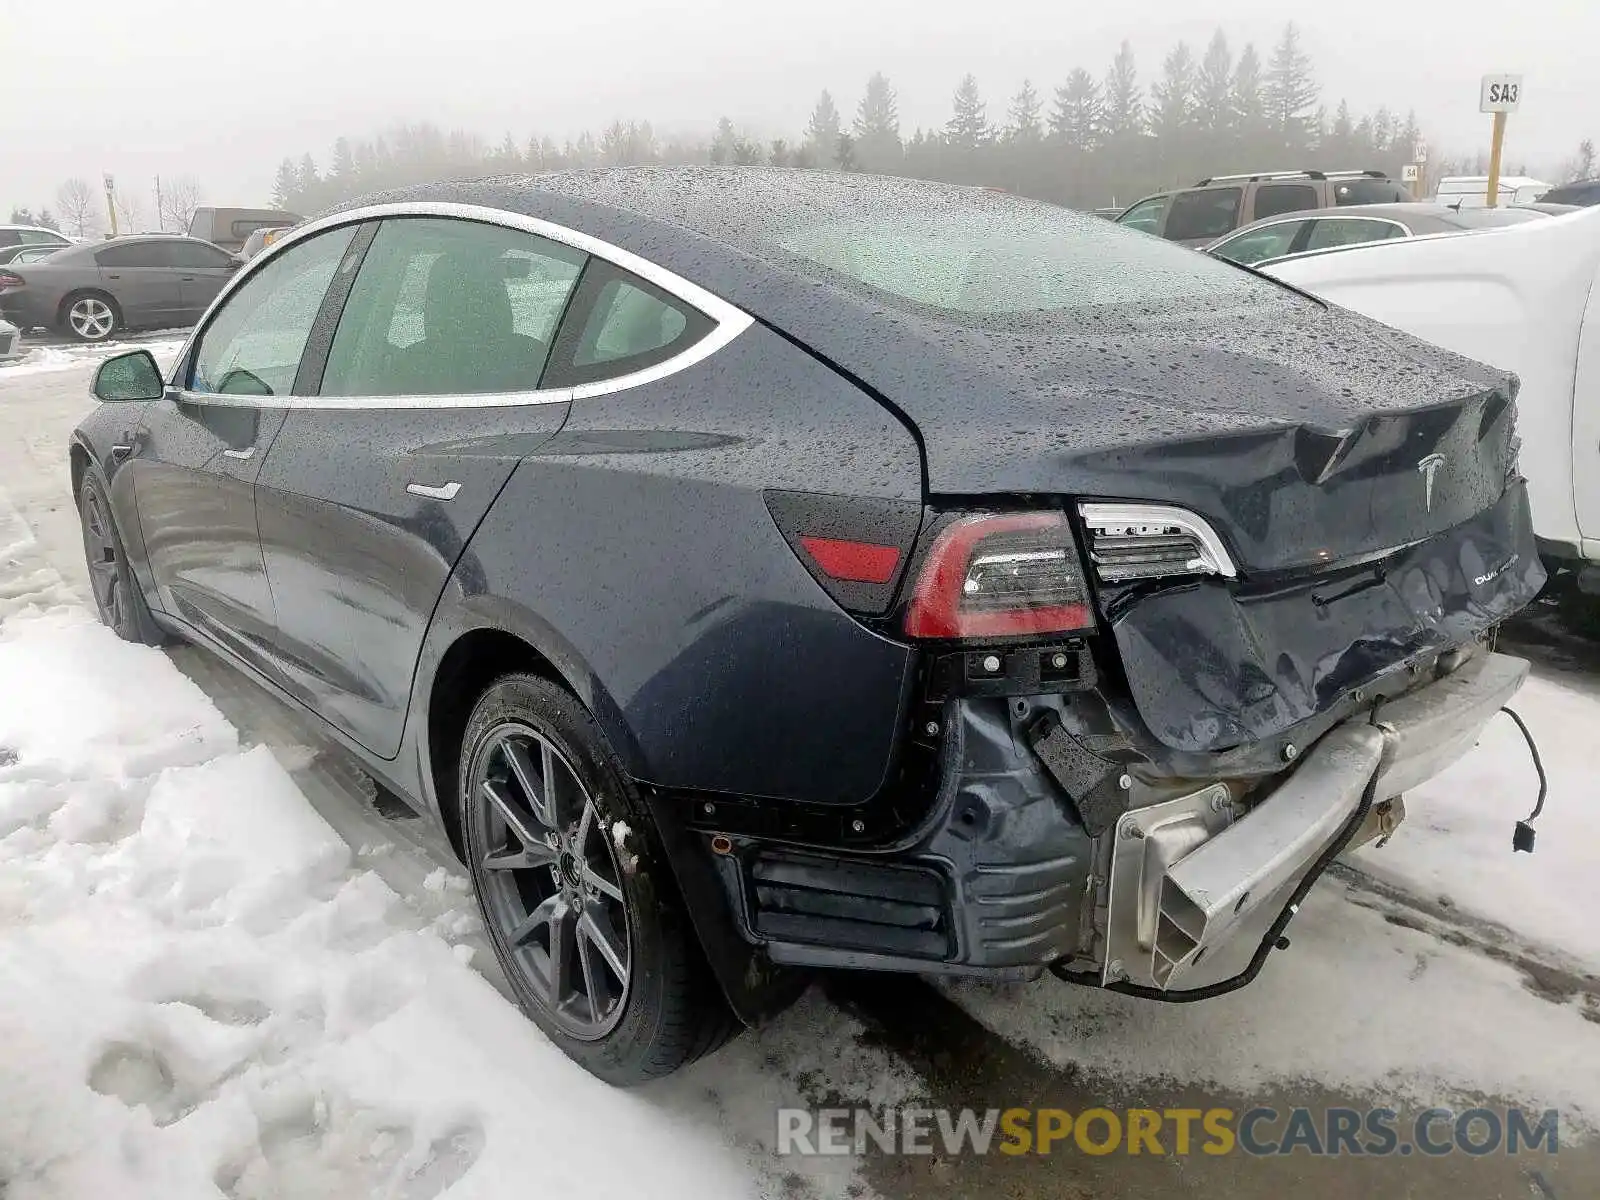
1194, 888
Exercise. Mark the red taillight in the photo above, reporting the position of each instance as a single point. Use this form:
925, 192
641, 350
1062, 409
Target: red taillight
1001, 575
10, 279
855, 562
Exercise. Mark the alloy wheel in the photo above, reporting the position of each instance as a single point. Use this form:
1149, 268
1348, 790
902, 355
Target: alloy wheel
100, 550
551, 882
91, 318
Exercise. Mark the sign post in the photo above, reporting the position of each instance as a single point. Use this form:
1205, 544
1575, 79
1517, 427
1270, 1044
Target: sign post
111, 203
1498, 94
1417, 170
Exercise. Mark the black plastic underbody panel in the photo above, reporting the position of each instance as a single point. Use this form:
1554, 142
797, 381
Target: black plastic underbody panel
1214, 665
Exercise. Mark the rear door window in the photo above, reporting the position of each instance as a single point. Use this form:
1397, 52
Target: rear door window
1274, 199
620, 324
197, 254
1145, 216
444, 307
136, 254
1350, 231
1204, 214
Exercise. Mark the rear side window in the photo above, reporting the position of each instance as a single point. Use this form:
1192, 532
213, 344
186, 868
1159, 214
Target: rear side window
1350, 231
1145, 216
1209, 213
253, 345
138, 254
1275, 199
444, 307
1369, 191
620, 324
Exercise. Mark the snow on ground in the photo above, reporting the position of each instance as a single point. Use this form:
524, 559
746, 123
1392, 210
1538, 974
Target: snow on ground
1363, 1001
42, 359
202, 991
1456, 839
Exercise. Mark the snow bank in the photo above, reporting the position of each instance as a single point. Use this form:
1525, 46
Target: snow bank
43, 359
200, 992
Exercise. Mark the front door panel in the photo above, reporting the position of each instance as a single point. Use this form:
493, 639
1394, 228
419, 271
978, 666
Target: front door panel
194, 470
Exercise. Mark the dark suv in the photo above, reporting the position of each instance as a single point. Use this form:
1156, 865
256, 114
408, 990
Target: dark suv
1222, 203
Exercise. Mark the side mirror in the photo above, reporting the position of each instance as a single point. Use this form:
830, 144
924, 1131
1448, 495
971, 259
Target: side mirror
130, 376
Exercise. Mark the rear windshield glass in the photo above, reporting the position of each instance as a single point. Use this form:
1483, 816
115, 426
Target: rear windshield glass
1369, 191
1014, 258
1488, 218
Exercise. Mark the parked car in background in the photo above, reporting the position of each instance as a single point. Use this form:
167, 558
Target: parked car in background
1528, 301
91, 292
230, 228
1583, 193
1024, 604
261, 238
27, 254
1222, 203
1329, 228
31, 235
1472, 191
10, 342
1548, 209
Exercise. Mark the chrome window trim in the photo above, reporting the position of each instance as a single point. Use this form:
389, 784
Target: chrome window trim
1215, 554
729, 321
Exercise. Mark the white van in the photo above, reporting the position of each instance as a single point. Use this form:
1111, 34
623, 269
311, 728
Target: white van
1472, 191
1525, 298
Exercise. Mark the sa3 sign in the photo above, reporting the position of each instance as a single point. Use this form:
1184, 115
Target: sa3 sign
1500, 93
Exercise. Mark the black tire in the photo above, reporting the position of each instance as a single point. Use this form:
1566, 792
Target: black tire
106, 313
668, 1011
117, 597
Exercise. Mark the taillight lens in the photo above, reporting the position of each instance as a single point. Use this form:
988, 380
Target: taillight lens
1000, 575
10, 279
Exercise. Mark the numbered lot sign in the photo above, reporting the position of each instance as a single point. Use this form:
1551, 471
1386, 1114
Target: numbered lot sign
1500, 93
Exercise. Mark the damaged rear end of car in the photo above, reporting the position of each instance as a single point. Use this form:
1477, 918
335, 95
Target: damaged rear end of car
1207, 579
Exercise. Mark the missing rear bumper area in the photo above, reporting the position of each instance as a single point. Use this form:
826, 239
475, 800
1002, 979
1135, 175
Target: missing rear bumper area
1179, 897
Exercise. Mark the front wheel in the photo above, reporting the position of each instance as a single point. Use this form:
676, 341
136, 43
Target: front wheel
117, 597
578, 902
91, 318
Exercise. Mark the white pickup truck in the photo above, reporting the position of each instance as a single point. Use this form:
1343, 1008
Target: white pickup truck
1525, 299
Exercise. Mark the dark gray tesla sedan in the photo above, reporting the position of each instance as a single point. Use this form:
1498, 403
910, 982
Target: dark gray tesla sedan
760, 570
90, 292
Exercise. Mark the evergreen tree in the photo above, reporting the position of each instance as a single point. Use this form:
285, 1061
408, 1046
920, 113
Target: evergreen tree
877, 126
969, 125
1382, 130
1291, 90
1024, 123
1407, 136
342, 168
308, 183
509, 156
1124, 102
724, 143
822, 134
1213, 89
1079, 114
1247, 103
286, 187
780, 153
1173, 97
1582, 166
844, 152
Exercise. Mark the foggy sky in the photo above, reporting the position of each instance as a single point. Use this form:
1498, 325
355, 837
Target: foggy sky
224, 91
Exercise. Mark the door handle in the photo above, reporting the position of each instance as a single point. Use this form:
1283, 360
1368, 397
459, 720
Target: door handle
185, 278
113, 276
443, 491
248, 452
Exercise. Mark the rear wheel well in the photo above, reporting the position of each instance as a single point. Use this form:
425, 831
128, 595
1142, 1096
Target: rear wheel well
472, 663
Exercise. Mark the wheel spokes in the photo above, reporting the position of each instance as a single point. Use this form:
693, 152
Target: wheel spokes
505, 804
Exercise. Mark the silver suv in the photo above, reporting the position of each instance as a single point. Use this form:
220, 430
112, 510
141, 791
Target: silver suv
1220, 204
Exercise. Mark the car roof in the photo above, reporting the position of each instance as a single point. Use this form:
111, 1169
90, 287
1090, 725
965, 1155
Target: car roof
35, 229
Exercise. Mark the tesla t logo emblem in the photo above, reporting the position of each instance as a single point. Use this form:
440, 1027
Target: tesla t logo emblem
1429, 467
